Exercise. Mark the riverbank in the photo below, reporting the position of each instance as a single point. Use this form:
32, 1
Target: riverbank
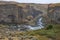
41, 34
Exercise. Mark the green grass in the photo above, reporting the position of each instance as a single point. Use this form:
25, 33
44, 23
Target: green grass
43, 34
50, 33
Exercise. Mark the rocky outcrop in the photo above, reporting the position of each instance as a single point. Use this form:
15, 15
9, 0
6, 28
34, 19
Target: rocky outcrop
13, 12
54, 13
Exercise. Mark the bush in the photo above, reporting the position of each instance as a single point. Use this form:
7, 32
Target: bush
49, 27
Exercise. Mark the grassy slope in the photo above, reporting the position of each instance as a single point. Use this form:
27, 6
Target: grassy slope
53, 33
42, 34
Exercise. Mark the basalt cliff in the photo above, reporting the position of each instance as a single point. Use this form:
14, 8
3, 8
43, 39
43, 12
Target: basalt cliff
28, 13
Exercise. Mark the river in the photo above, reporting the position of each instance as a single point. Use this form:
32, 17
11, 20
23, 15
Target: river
39, 25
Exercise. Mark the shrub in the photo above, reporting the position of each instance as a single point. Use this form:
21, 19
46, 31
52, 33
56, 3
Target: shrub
49, 27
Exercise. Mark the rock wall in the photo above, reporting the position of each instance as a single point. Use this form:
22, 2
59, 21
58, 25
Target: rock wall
54, 13
13, 12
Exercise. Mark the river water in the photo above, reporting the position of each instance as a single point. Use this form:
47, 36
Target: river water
39, 25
